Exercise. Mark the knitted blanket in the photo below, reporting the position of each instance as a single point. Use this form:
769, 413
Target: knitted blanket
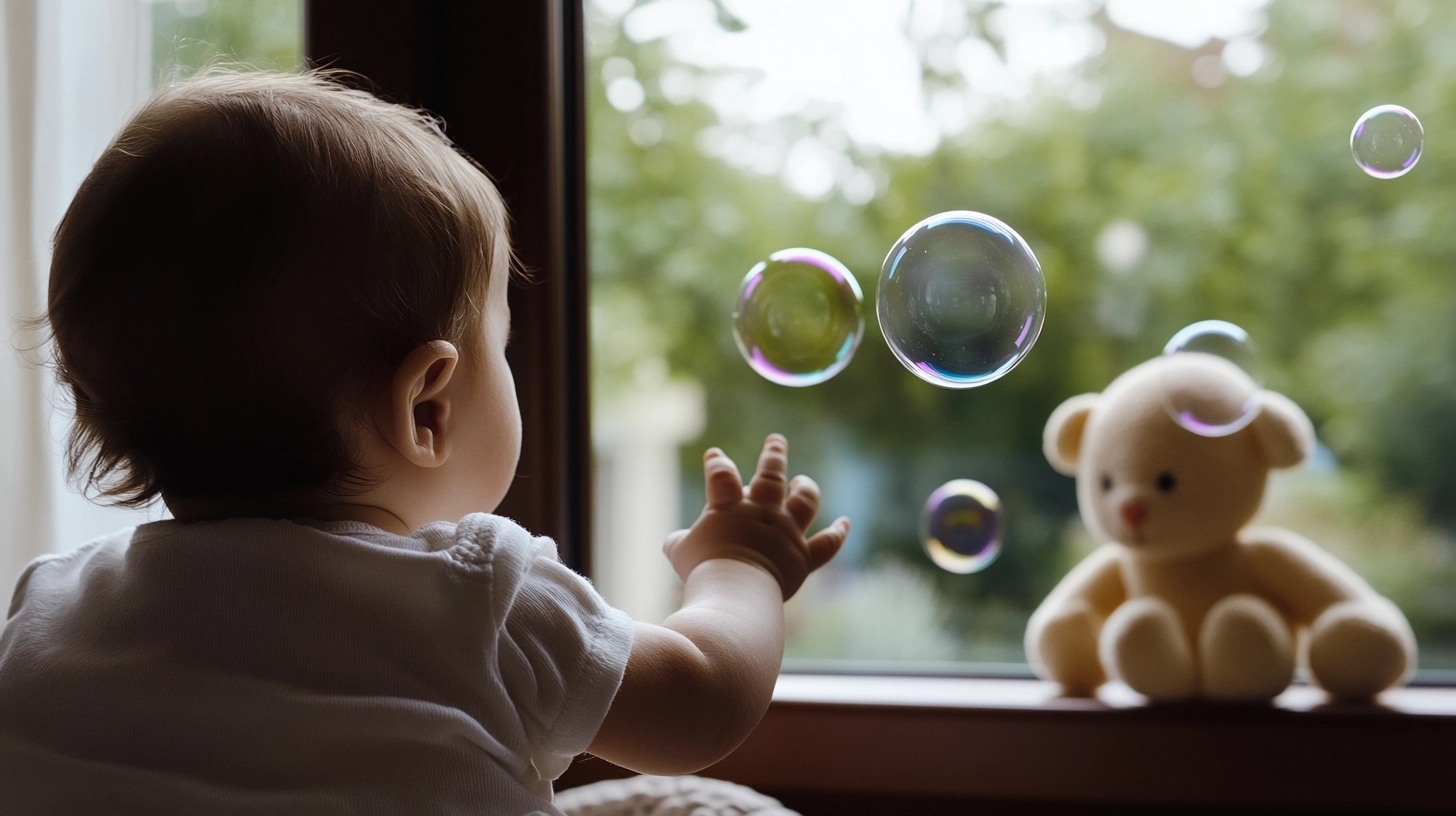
667, 796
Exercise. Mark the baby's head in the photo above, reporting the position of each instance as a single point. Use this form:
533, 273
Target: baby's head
273, 293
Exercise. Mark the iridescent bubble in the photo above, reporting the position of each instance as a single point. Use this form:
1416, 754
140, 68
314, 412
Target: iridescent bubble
798, 320
1233, 404
961, 299
1387, 141
961, 526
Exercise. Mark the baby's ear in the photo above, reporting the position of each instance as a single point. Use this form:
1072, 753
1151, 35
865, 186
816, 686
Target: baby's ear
1062, 438
419, 404
1284, 433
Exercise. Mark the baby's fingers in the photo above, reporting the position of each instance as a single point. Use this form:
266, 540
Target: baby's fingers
772, 477
803, 501
825, 544
722, 482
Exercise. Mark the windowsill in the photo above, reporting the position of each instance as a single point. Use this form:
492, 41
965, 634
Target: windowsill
1012, 694
1014, 740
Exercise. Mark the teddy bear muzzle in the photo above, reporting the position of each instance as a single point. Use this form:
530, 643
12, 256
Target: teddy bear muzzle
1133, 513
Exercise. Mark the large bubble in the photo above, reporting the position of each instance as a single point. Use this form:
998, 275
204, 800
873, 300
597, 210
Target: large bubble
961, 299
1387, 141
1237, 404
798, 319
961, 526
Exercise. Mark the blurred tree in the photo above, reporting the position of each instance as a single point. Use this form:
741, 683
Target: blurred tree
1240, 185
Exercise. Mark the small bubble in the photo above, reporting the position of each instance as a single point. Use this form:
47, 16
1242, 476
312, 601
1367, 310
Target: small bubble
1234, 403
798, 321
961, 299
961, 526
1387, 141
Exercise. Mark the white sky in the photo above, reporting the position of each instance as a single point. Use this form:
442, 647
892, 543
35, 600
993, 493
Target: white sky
851, 54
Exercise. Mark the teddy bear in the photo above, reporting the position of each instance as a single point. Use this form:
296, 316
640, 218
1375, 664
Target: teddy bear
1184, 600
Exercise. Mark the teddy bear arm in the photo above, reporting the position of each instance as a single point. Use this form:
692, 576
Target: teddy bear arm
1298, 577
1063, 633
1096, 582
1359, 643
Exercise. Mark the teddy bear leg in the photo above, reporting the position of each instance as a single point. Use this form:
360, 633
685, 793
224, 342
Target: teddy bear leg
1245, 649
1143, 645
1358, 649
1063, 648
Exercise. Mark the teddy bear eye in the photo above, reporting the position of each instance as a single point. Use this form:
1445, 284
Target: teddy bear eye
1106, 483
1166, 482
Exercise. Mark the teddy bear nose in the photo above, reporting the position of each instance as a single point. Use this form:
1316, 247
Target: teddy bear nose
1134, 513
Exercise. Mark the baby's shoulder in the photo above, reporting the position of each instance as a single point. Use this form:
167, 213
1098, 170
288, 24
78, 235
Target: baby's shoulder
108, 548
487, 543
60, 570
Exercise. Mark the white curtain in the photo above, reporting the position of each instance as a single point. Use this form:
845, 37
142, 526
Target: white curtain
70, 73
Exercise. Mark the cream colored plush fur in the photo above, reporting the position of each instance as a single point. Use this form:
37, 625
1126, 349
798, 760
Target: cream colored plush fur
1183, 601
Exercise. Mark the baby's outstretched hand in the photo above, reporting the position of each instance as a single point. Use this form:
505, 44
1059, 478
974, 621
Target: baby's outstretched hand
764, 525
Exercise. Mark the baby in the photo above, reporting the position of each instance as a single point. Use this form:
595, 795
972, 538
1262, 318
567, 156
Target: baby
280, 307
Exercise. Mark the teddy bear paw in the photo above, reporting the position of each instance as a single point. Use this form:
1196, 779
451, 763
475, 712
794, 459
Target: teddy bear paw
1358, 649
1143, 645
1062, 647
1245, 649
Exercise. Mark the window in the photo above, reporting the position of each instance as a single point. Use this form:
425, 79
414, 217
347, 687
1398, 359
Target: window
1165, 166
1153, 157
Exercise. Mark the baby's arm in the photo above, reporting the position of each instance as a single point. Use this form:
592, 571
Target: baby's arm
697, 685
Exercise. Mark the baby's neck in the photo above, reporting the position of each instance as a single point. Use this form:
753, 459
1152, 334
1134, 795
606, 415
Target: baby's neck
294, 507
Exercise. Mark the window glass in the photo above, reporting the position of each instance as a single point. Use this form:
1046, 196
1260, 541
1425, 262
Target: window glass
188, 34
1167, 163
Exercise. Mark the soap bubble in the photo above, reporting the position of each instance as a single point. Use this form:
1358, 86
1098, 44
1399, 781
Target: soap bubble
961, 299
961, 526
1234, 404
798, 320
1387, 141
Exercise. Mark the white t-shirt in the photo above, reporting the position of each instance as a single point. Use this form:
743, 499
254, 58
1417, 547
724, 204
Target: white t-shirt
256, 666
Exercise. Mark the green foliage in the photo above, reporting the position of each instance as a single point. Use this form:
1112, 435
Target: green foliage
188, 35
1253, 210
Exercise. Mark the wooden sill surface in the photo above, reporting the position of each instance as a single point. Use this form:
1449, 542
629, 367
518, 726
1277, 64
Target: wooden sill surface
1000, 740
998, 694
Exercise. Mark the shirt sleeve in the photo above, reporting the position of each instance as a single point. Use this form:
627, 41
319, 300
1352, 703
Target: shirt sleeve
17, 598
562, 652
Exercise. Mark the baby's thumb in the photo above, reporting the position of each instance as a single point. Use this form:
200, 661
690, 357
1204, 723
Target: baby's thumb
826, 543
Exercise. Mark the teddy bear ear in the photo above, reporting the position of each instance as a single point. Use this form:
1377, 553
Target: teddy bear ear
1061, 441
1284, 431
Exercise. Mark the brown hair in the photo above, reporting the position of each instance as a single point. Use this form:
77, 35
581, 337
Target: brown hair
250, 258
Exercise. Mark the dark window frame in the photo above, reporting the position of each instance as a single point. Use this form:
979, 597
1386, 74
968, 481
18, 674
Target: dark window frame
506, 75
506, 78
